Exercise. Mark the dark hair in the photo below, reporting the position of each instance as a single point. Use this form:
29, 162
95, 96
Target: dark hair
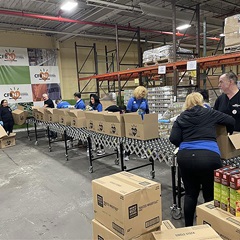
3, 101
204, 93
232, 76
58, 100
77, 94
96, 100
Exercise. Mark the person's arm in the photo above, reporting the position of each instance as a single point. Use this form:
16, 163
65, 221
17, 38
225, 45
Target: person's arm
82, 105
216, 104
176, 134
99, 107
129, 105
147, 107
1, 122
224, 119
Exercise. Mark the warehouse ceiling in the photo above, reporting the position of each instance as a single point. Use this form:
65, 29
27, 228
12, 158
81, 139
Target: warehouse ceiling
97, 19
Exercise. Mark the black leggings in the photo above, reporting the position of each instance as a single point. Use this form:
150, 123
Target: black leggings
197, 169
8, 126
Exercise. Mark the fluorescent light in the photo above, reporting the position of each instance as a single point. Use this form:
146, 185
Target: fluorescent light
69, 5
222, 35
182, 27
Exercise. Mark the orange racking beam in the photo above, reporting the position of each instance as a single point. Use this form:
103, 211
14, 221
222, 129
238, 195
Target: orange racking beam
204, 62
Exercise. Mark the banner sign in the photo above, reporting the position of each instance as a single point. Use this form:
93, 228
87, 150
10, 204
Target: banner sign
13, 56
44, 74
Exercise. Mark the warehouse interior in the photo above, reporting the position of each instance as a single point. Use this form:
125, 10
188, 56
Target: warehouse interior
105, 47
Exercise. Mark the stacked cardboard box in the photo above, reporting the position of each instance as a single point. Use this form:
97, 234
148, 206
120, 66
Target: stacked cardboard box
224, 223
235, 195
232, 33
7, 140
125, 205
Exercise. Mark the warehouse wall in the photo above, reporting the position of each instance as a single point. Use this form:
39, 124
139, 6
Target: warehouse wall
66, 56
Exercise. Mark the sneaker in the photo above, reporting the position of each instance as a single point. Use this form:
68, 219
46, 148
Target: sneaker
100, 152
126, 158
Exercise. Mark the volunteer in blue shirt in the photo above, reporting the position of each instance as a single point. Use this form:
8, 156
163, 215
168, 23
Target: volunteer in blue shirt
79, 102
138, 103
95, 103
62, 104
194, 133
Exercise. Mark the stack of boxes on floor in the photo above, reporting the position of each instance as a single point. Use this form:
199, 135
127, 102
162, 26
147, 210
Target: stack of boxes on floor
223, 214
19, 117
127, 206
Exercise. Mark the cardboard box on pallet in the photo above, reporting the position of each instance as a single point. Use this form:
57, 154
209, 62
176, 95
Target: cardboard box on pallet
225, 188
217, 183
7, 140
103, 233
142, 129
128, 205
90, 122
19, 116
225, 224
235, 195
114, 124
200, 232
51, 115
229, 144
78, 118
232, 30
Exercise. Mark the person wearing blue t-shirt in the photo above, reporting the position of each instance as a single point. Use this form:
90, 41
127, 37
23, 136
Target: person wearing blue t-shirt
79, 102
194, 133
95, 103
137, 103
62, 104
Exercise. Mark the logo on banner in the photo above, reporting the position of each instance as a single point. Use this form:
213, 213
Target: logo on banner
44, 75
15, 94
10, 56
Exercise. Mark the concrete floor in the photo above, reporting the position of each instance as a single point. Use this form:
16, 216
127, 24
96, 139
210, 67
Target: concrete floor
43, 196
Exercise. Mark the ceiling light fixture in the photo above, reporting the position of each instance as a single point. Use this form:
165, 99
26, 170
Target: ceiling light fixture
182, 27
69, 5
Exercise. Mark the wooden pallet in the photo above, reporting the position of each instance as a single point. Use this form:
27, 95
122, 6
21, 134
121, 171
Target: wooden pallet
232, 49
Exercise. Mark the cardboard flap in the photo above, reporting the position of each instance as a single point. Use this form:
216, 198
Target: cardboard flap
90, 114
20, 107
235, 139
2, 132
17, 111
132, 118
41, 110
61, 112
76, 113
49, 110
113, 117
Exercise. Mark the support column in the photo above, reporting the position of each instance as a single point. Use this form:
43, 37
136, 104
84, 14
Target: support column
204, 49
139, 55
198, 41
175, 80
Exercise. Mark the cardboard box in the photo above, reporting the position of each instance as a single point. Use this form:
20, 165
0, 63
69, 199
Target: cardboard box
200, 232
90, 122
225, 188
229, 144
19, 116
100, 123
39, 114
63, 117
7, 140
78, 118
232, 30
114, 124
235, 195
34, 111
225, 224
50, 116
217, 183
103, 233
128, 205
142, 129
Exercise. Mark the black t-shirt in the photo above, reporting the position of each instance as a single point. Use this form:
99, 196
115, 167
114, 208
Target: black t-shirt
230, 107
49, 103
113, 108
6, 114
